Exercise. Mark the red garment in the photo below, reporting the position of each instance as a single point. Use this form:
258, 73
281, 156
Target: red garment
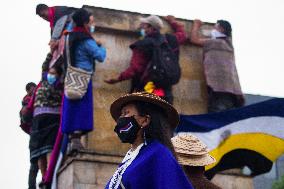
51, 16
137, 65
26, 127
159, 92
30, 106
139, 61
179, 32
81, 29
26, 100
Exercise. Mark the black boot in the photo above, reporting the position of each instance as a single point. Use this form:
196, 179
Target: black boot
75, 144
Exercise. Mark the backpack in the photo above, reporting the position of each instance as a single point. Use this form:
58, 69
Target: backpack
26, 112
163, 68
25, 116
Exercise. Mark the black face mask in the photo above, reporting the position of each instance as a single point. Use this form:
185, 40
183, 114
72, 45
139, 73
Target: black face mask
127, 129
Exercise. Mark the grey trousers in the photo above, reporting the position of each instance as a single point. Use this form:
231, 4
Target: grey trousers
219, 101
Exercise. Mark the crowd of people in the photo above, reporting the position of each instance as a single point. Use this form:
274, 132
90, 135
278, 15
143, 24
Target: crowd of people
63, 99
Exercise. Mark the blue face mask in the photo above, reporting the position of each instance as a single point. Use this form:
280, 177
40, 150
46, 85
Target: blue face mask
51, 78
142, 33
92, 29
69, 27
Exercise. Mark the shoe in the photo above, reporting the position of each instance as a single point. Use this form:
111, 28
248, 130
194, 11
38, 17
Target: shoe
74, 147
43, 185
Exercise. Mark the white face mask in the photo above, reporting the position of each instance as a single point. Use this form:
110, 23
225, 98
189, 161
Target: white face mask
206, 32
92, 29
215, 34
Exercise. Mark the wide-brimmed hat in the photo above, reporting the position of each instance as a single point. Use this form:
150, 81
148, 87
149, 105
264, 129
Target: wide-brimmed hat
169, 110
191, 151
195, 160
154, 21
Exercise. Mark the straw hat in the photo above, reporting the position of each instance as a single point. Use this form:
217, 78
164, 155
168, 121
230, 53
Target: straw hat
171, 112
191, 151
196, 160
189, 144
154, 21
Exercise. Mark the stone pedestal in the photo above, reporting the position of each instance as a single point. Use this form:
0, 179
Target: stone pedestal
233, 179
117, 30
87, 170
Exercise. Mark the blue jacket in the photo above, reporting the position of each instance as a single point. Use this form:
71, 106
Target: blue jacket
87, 52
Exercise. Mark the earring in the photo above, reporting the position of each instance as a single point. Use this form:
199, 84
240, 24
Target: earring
145, 141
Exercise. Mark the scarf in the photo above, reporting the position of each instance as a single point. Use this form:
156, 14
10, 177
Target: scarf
127, 160
51, 16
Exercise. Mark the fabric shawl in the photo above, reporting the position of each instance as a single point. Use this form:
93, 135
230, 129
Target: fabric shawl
154, 167
219, 66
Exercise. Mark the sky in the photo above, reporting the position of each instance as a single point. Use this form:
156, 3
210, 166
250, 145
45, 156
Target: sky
258, 38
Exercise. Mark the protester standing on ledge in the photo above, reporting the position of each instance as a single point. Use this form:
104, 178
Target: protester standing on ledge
142, 55
224, 90
53, 14
46, 117
82, 53
26, 124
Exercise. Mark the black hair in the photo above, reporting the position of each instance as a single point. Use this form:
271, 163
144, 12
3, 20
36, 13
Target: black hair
40, 8
81, 17
193, 170
226, 26
30, 85
159, 127
58, 69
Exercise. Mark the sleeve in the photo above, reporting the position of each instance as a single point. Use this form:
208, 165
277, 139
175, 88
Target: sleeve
45, 66
97, 52
30, 106
137, 65
179, 31
58, 28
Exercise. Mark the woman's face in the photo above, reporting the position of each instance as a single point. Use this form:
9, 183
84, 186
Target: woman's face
147, 28
131, 110
52, 71
218, 28
91, 23
44, 14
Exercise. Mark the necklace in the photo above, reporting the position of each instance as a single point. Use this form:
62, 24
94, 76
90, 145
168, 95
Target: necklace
127, 160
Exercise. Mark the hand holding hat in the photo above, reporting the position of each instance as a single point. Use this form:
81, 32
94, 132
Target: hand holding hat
169, 18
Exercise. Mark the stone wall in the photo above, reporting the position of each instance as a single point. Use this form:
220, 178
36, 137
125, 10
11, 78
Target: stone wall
117, 30
87, 170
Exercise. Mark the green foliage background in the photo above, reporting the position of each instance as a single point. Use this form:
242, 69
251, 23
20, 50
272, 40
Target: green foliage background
279, 184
